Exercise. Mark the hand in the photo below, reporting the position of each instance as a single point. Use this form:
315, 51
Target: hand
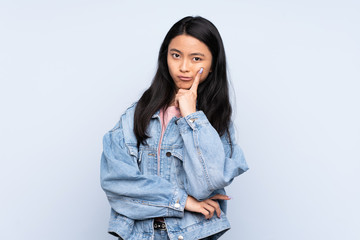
186, 99
206, 207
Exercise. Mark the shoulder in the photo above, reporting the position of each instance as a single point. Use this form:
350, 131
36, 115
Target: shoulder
125, 125
128, 115
131, 109
127, 122
122, 133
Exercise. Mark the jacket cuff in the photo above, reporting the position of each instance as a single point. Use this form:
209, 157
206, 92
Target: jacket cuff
177, 204
192, 121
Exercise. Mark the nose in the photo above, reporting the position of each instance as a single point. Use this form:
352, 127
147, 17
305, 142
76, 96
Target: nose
184, 66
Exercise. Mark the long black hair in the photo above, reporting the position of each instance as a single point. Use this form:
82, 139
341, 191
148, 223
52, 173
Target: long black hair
213, 93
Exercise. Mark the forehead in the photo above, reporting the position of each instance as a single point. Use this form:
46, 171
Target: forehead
188, 44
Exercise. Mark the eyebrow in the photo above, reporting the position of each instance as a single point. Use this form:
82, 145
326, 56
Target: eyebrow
192, 54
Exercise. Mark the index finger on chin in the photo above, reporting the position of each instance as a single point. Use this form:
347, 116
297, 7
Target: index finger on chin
196, 82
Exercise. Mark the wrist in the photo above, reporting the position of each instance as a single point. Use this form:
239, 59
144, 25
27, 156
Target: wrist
187, 113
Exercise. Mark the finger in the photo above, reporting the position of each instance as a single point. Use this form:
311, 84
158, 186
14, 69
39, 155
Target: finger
205, 212
210, 208
178, 96
221, 197
215, 205
195, 84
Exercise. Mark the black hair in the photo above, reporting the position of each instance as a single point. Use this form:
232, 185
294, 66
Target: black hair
213, 93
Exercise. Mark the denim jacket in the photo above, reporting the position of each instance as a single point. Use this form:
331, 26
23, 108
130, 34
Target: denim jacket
194, 160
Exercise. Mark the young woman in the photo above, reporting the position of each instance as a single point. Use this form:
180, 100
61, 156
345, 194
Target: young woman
166, 162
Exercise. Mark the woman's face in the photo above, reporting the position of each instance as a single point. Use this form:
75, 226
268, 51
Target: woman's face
186, 55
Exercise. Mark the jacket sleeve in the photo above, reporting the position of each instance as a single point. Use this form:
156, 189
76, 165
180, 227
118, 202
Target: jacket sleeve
131, 193
210, 162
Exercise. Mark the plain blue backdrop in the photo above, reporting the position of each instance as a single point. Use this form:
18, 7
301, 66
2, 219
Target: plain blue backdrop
68, 69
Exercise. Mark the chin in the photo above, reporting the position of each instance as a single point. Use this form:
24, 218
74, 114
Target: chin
185, 86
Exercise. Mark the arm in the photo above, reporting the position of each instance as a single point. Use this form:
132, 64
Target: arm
207, 161
129, 192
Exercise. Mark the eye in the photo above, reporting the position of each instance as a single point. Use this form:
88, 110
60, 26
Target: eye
175, 55
197, 59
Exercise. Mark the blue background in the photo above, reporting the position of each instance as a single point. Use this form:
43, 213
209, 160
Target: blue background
68, 69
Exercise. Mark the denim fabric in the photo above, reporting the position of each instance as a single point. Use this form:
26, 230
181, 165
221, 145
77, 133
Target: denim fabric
161, 235
158, 235
194, 160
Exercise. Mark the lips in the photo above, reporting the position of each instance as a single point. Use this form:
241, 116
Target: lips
183, 78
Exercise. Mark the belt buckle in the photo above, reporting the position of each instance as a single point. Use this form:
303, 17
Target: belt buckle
159, 225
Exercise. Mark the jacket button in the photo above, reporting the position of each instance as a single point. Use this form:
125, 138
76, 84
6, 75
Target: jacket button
177, 205
168, 154
180, 237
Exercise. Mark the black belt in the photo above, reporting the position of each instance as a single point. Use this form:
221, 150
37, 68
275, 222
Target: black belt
159, 225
